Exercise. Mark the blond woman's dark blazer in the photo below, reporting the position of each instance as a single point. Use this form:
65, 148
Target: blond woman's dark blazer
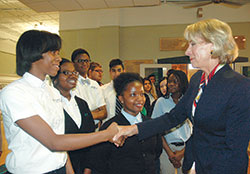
221, 124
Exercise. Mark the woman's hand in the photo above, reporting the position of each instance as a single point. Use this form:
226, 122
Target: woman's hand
179, 154
176, 163
87, 171
124, 132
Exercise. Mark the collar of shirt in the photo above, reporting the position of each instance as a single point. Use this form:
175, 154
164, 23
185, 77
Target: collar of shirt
83, 80
72, 96
112, 83
132, 119
171, 98
34, 81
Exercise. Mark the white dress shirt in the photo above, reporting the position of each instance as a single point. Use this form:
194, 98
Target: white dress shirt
182, 133
132, 119
72, 108
91, 92
110, 99
24, 98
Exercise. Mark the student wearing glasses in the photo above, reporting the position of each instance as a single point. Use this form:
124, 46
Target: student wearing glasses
78, 118
95, 72
88, 89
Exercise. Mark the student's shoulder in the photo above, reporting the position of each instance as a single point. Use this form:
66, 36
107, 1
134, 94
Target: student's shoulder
94, 84
15, 86
107, 86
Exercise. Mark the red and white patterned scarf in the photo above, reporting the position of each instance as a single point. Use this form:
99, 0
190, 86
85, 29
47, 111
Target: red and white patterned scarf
203, 84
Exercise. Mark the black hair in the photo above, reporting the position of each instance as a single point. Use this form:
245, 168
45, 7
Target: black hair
159, 86
170, 72
93, 65
115, 62
182, 78
122, 81
64, 60
151, 75
146, 79
78, 52
30, 47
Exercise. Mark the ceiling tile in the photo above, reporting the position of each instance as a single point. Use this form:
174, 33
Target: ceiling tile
65, 5
93, 4
121, 3
146, 2
42, 6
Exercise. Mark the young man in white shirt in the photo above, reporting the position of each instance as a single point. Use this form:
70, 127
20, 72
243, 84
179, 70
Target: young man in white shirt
116, 67
86, 88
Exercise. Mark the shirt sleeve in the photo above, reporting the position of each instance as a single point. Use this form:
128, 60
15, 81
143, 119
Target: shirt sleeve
17, 104
99, 96
157, 109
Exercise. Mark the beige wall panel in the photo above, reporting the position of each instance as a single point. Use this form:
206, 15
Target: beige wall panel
101, 43
144, 42
7, 63
242, 29
134, 43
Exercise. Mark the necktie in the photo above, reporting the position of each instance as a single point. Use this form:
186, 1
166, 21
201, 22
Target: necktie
203, 84
85, 81
118, 106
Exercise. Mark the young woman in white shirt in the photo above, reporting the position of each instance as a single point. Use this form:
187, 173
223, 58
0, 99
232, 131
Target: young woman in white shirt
33, 113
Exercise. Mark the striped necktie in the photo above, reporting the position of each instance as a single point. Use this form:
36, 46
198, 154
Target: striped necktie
203, 84
118, 106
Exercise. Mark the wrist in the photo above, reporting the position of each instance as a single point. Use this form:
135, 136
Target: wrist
109, 134
135, 129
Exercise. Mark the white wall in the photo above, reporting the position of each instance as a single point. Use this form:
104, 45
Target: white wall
157, 15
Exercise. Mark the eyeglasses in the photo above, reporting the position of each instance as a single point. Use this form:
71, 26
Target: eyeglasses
69, 73
99, 71
82, 60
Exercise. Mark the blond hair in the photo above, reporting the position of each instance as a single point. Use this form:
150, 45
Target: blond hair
219, 34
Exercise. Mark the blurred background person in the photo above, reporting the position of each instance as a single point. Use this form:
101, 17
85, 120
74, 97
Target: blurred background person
113, 103
147, 85
95, 72
174, 139
154, 83
162, 86
150, 95
152, 78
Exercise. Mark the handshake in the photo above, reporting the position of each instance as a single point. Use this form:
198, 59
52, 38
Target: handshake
118, 134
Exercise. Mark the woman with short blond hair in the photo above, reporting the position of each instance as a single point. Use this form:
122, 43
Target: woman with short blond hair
217, 103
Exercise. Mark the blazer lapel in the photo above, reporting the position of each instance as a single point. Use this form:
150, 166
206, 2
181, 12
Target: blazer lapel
213, 93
